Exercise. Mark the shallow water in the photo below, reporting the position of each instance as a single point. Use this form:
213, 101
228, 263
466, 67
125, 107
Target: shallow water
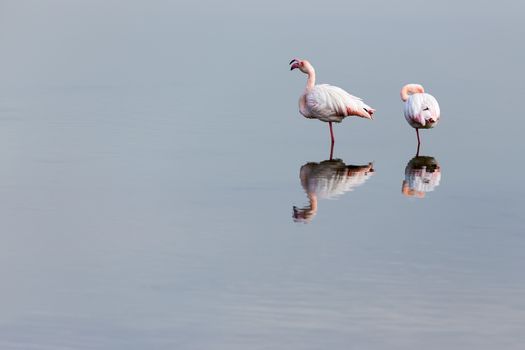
152, 157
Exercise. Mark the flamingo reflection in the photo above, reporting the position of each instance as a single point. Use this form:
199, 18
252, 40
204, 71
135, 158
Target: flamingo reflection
422, 175
327, 180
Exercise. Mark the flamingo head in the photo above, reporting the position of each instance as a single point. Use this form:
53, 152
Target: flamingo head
304, 215
303, 65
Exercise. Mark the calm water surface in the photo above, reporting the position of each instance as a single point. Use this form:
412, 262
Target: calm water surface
159, 189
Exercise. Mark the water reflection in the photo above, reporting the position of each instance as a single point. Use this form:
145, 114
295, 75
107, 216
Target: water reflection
422, 175
327, 180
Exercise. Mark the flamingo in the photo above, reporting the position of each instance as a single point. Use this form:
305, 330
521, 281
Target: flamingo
326, 102
421, 109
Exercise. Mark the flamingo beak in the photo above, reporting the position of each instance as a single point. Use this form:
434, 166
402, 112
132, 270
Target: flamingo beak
295, 64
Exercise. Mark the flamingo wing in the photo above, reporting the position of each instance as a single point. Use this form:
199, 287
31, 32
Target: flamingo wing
419, 108
325, 101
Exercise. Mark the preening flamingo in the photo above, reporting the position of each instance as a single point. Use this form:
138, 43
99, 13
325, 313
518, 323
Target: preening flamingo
421, 109
327, 180
326, 102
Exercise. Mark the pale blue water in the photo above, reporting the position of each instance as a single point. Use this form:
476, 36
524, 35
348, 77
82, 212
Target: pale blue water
151, 158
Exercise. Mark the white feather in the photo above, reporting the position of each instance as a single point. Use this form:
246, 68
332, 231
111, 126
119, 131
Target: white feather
420, 108
331, 103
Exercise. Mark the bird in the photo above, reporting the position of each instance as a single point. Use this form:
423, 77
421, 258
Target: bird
421, 109
326, 102
328, 179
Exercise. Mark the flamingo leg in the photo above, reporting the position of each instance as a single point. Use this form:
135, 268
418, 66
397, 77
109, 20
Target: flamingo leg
331, 151
331, 133
418, 142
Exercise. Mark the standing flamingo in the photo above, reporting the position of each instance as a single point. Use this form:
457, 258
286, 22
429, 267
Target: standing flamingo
421, 109
326, 102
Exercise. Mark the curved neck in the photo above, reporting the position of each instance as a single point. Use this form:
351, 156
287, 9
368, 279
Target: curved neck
312, 197
310, 83
410, 89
